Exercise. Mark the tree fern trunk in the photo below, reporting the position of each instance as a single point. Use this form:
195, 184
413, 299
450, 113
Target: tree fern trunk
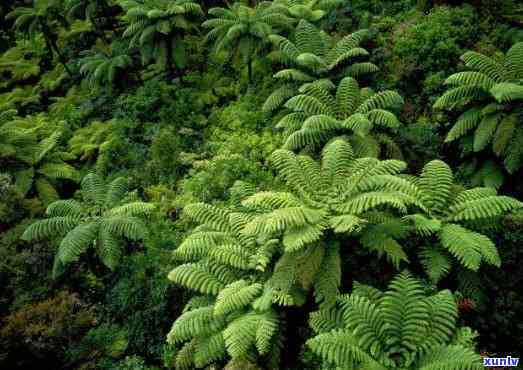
61, 58
249, 70
169, 60
50, 40
99, 30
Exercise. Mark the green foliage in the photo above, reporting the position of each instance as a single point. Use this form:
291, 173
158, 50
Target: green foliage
322, 111
448, 213
402, 328
309, 10
105, 64
40, 164
46, 327
21, 62
313, 55
243, 32
233, 316
288, 219
90, 143
43, 17
101, 220
488, 96
341, 197
16, 143
11, 201
157, 27
102, 341
424, 48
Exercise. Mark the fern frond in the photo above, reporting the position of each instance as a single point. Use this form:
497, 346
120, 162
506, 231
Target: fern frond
235, 296
215, 217
504, 134
325, 320
404, 311
109, 248
341, 348
49, 228
469, 247
514, 62
451, 358
457, 95
435, 183
65, 208
483, 64
363, 317
485, 131
133, 209
208, 349
507, 92
485, 207
436, 263
308, 105
443, 313
125, 226
94, 188
116, 190
76, 241
471, 78
195, 323
381, 100
465, 123
328, 279
196, 277
295, 238
278, 97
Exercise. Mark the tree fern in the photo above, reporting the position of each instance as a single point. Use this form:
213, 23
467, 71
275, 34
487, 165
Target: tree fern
312, 56
402, 329
318, 114
156, 28
243, 32
16, 142
104, 64
488, 95
448, 213
99, 220
324, 199
42, 17
224, 263
47, 166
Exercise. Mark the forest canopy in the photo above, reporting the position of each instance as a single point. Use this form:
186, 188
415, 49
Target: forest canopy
256, 185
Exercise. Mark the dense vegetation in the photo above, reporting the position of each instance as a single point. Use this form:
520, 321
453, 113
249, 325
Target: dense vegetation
287, 184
